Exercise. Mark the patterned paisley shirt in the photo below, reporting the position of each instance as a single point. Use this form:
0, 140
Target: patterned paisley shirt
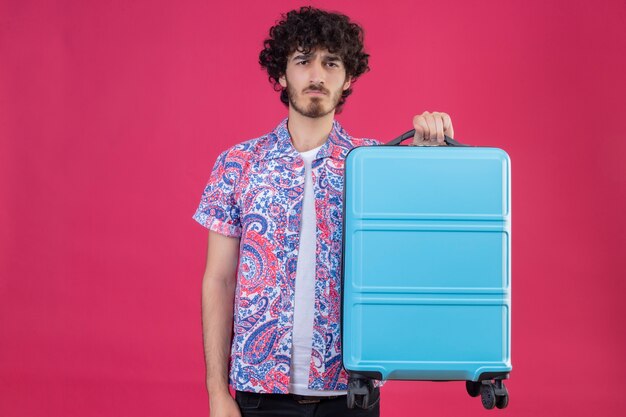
255, 192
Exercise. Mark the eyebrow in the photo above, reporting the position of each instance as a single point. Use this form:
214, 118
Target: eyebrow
328, 57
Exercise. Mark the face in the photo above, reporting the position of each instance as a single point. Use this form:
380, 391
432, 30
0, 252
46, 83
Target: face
314, 82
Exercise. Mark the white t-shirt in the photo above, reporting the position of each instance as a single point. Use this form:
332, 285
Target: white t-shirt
305, 290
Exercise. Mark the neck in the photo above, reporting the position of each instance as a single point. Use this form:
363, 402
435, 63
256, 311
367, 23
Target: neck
308, 133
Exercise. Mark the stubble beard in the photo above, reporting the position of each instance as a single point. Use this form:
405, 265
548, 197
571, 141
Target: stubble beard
315, 108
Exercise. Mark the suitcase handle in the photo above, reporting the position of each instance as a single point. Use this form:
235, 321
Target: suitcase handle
411, 133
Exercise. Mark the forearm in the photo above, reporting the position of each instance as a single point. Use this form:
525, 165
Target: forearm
217, 321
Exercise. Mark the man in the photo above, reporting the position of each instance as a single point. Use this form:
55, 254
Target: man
273, 207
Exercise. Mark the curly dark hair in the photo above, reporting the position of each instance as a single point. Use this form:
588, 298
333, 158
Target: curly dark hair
307, 29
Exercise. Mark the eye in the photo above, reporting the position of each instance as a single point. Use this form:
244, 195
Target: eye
304, 61
332, 64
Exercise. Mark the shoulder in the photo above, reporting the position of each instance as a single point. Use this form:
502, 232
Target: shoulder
354, 142
247, 150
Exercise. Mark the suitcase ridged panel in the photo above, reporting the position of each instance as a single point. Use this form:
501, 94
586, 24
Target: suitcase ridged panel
427, 262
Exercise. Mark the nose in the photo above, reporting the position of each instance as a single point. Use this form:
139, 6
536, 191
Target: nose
317, 72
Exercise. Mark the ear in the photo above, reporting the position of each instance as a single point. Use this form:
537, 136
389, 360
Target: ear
282, 81
346, 83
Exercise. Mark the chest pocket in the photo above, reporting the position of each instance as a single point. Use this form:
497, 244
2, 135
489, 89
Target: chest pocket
271, 195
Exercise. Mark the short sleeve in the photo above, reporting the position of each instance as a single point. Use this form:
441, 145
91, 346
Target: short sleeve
218, 209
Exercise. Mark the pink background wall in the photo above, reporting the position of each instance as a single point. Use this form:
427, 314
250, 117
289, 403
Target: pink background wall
113, 112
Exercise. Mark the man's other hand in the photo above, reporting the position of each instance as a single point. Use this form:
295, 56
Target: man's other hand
223, 405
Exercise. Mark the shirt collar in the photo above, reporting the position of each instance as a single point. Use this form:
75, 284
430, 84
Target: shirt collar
336, 146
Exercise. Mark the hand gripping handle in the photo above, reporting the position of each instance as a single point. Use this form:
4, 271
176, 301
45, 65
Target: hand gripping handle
411, 133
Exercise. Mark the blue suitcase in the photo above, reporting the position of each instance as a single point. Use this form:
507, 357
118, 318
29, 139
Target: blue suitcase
427, 268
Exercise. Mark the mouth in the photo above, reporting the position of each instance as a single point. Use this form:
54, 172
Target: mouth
315, 92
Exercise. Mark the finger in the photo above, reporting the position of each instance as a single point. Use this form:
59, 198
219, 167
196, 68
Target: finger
439, 127
448, 130
432, 128
422, 127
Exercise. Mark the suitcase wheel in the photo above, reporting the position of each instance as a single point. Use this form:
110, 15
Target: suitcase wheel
502, 401
488, 396
502, 394
473, 388
359, 390
492, 394
350, 400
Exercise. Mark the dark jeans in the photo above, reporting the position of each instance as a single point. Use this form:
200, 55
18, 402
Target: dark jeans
255, 405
